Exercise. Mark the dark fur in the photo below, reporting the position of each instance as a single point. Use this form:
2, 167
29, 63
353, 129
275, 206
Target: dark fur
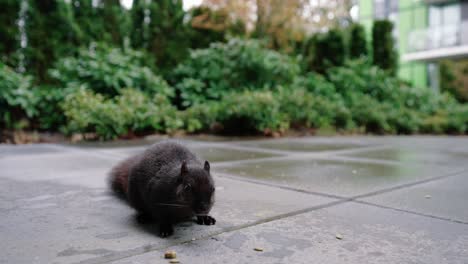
166, 183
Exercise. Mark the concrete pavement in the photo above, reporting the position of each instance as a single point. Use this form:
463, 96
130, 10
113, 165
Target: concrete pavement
301, 200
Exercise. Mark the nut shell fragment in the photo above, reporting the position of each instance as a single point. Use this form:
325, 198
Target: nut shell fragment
171, 254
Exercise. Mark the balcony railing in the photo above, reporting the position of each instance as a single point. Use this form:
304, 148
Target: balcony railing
438, 37
437, 1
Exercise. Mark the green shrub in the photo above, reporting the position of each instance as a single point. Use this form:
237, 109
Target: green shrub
313, 110
370, 115
450, 117
454, 78
316, 84
359, 77
49, 115
200, 117
17, 101
328, 50
251, 112
383, 46
133, 111
107, 70
208, 29
231, 67
357, 42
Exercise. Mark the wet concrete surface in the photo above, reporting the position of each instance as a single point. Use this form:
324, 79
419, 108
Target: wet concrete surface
211, 153
303, 145
445, 198
416, 156
334, 177
368, 235
387, 199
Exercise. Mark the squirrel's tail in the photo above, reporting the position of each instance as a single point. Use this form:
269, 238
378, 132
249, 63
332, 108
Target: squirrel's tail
118, 177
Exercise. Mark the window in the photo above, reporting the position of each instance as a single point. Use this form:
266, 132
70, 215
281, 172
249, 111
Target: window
383, 9
444, 15
444, 24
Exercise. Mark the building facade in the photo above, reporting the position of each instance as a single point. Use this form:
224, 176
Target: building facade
426, 32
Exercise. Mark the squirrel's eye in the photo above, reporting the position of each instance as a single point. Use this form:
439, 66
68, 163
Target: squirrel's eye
187, 188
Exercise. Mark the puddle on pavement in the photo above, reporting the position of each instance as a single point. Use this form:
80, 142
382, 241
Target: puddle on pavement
334, 177
414, 155
212, 154
302, 146
216, 154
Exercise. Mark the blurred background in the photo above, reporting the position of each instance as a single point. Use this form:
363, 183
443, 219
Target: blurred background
108, 69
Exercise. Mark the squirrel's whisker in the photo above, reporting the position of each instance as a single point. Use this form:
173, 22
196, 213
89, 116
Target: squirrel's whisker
176, 205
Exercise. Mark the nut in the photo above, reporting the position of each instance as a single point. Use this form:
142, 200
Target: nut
171, 254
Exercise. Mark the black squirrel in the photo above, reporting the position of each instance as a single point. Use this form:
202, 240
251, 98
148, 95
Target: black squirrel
166, 183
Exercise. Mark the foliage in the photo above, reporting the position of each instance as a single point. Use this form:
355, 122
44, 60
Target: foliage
383, 46
251, 112
454, 78
52, 34
131, 112
200, 117
280, 22
357, 42
360, 77
210, 73
207, 26
88, 19
375, 102
49, 115
104, 20
164, 36
115, 22
139, 34
107, 70
9, 30
325, 50
312, 110
16, 98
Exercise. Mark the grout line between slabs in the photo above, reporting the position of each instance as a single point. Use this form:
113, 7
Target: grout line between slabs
279, 186
318, 155
410, 212
148, 248
357, 197
410, 184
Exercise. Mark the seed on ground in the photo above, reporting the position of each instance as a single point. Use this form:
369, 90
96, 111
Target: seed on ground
171, 254
258, 249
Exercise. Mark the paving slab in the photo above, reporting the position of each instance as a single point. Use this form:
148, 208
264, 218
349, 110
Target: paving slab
445, 198
60, 217
444, 143
207, 152
304, 145
415, 155
52, 166
368, 235
55, 207
7, 150
334, 177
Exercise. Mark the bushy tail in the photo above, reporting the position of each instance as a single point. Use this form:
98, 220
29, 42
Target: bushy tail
118, 177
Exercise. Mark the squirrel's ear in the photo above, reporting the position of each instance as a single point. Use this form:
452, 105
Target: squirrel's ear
184, 169
207, 166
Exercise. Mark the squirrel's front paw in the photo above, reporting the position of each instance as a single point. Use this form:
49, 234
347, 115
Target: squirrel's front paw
165, 230
206, 220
